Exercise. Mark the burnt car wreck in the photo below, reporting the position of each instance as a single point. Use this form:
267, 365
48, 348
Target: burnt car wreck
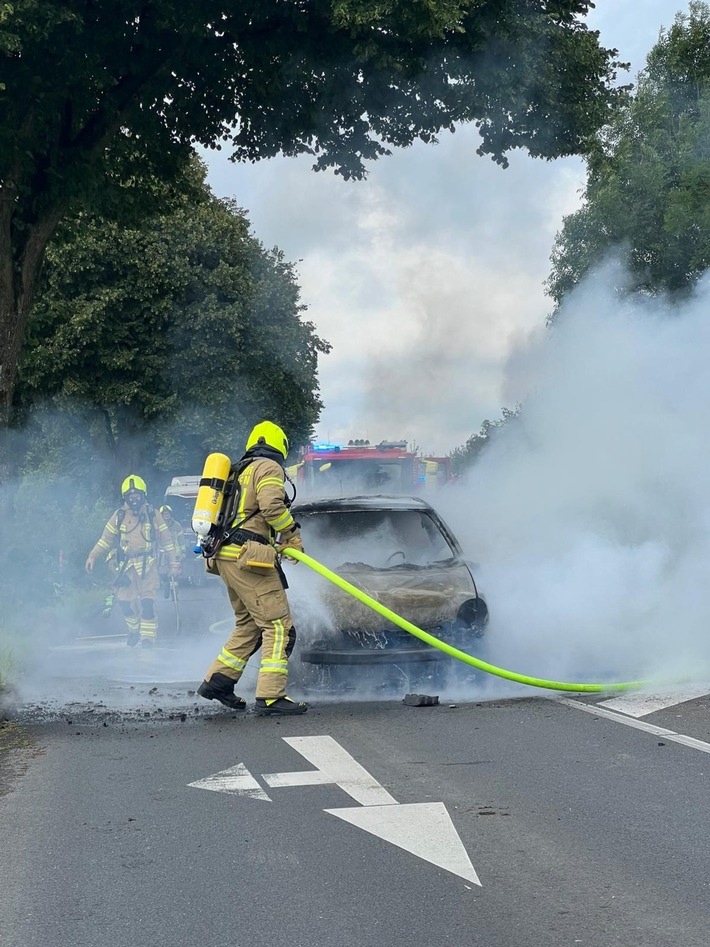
400, 552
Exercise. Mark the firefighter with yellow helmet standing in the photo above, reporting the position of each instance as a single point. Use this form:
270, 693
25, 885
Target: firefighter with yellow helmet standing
131, 542
248, 564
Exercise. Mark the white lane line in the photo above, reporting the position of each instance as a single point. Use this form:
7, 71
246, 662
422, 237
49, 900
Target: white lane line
640, 704
669, 735
235, 781
423, 829
333, 765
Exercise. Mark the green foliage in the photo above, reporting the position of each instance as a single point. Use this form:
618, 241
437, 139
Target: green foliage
9, 42
462, 458
648, 189
337, 79
159, 343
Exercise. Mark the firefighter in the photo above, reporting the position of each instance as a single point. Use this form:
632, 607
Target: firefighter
249, 566
130, 542
178, 537
176, 530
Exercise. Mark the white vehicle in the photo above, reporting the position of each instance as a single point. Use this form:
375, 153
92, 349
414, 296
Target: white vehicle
180, 497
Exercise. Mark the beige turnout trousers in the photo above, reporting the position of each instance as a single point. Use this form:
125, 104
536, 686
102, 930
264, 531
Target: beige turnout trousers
263, 619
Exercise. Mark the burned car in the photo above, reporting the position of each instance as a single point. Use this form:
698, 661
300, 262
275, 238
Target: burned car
400, 552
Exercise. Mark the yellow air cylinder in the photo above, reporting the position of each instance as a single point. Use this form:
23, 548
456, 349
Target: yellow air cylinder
210, 496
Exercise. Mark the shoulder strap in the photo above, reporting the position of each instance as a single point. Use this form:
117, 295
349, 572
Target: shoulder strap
150, 513
241, 465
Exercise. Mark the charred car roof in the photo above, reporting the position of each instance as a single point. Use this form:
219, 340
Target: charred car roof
377, 503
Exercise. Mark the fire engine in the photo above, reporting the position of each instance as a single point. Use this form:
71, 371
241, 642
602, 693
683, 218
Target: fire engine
360, 467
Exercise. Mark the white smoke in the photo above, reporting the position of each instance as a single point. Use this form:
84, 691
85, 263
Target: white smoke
590, 513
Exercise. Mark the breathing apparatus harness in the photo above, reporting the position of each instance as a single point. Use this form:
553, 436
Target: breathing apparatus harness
122, 557
222, 535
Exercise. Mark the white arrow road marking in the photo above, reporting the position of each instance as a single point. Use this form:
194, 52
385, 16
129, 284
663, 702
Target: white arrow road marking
424, 829
333, 765
640, 704
308, 777
236, 781
669, 735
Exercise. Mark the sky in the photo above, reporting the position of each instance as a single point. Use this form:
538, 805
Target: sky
428, 276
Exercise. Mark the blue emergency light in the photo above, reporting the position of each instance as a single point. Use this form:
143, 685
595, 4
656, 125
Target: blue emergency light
326, 447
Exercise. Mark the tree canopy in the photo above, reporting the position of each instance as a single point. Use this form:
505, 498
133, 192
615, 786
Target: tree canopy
469, 453
94, 96
648, 187
158, 343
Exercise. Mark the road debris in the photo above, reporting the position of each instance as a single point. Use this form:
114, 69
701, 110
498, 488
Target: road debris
420, 700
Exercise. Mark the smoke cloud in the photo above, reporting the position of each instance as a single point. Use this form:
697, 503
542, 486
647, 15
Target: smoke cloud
589, 513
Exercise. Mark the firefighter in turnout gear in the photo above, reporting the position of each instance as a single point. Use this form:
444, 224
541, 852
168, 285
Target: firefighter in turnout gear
176, 530
131, 542
166, 573
249, 566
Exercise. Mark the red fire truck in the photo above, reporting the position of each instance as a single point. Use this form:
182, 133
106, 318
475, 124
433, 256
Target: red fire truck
363, 468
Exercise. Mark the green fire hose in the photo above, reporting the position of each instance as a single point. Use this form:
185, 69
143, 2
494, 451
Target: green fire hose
447, 648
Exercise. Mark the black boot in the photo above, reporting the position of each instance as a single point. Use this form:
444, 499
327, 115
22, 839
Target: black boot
268, 706
221, 688
133, 638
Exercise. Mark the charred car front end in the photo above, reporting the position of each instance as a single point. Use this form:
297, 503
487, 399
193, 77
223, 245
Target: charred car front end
401, 553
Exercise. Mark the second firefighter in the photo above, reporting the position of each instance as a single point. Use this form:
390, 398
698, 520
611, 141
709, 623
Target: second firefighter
131, 542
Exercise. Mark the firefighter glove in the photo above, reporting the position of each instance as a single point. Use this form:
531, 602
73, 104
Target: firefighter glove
89, 564
293, 541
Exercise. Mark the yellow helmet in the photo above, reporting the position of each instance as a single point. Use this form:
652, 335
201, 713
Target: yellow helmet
269, 434
133, 482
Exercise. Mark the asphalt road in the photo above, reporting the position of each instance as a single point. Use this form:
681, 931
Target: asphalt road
581, 828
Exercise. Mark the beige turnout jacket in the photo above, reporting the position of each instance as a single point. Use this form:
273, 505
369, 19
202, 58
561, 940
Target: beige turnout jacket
136, 538
262, 494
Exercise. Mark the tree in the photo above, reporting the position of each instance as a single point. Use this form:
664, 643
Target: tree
648, 188
156, 344
465, 456
96, 94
